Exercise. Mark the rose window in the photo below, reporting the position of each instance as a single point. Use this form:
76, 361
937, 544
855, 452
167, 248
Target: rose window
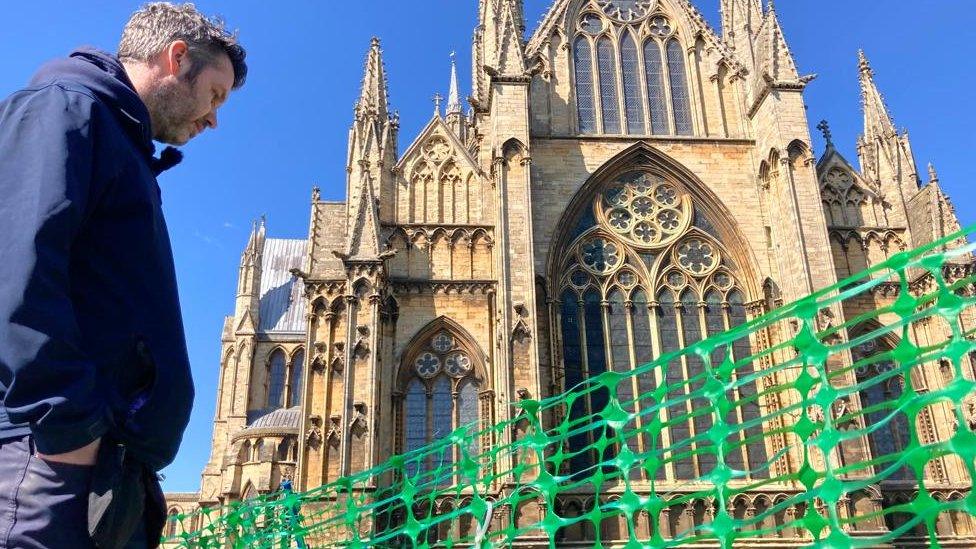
427, 365
643, 207
645, 210
457, 365
600, 255
620, 220
442, 342
668, 219
666, 195
697, 257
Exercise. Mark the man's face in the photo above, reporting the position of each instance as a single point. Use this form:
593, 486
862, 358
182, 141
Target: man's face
180, 109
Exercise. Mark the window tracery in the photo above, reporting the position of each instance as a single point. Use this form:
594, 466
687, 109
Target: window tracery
629, 63
645, 276
442, 394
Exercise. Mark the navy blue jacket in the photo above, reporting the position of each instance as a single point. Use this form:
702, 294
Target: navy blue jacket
91, 334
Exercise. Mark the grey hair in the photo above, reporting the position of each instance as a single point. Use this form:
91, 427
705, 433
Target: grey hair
158, 24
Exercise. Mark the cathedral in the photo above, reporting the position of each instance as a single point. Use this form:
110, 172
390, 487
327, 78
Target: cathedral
623, 181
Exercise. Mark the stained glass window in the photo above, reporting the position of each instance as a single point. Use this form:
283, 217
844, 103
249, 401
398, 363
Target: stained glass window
584, 85
654, 73
276, 380
696, 294
468, 411
297, 366
632, 88
608, 86
442, 366
879, 399
415, 419
679, 88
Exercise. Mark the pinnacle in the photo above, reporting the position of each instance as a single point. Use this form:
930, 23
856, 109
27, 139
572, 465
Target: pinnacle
863, 64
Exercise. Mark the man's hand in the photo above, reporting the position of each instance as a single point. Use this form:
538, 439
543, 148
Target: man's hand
85, 455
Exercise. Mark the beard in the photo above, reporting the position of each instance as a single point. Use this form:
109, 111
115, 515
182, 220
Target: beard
171, 109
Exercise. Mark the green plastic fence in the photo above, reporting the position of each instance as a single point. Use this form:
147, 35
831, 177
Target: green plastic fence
802, 402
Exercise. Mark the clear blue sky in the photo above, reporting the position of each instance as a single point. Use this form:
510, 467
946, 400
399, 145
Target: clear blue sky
287, 129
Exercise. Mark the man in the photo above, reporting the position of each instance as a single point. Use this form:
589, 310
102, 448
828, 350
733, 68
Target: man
94, 375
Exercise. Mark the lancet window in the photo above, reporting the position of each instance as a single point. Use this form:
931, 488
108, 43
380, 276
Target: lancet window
882, 385
440, 393
645, 274
284, 379
629, 67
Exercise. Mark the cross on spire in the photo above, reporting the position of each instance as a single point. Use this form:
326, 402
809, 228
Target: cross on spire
824, 128
437, 103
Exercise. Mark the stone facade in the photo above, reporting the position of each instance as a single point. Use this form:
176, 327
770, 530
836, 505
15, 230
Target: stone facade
625, 153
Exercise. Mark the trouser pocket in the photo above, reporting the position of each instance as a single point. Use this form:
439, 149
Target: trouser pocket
50, 507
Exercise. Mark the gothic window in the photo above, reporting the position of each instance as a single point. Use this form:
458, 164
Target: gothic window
276, 380
295, 385
680, 99
584, 85
882, 385
644, 275
627, 49
654, 73
630, 68
608, 86
441, 395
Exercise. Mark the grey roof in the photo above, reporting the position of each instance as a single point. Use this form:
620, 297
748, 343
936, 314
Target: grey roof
280, 419
282, 303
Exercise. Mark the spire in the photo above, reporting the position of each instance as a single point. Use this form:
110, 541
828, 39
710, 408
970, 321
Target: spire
773, 57
886, 155
454, 96
249, 274
373, 99
877, 121
511, 50
373, 135
741, 20
455, 116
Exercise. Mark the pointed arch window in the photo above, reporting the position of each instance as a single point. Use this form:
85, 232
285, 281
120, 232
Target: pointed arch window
295, 382
276, 380
645, 275
608, 86
640, 66
680, 99
882, 386
584, 85
630, 69
442, 392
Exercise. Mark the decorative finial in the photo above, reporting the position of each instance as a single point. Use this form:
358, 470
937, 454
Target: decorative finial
437, 103
933, 175
863, 64
316, 194
264, 220
771, 6
824, 128
375, 42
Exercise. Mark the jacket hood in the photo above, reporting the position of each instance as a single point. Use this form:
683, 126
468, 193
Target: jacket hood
104, 75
